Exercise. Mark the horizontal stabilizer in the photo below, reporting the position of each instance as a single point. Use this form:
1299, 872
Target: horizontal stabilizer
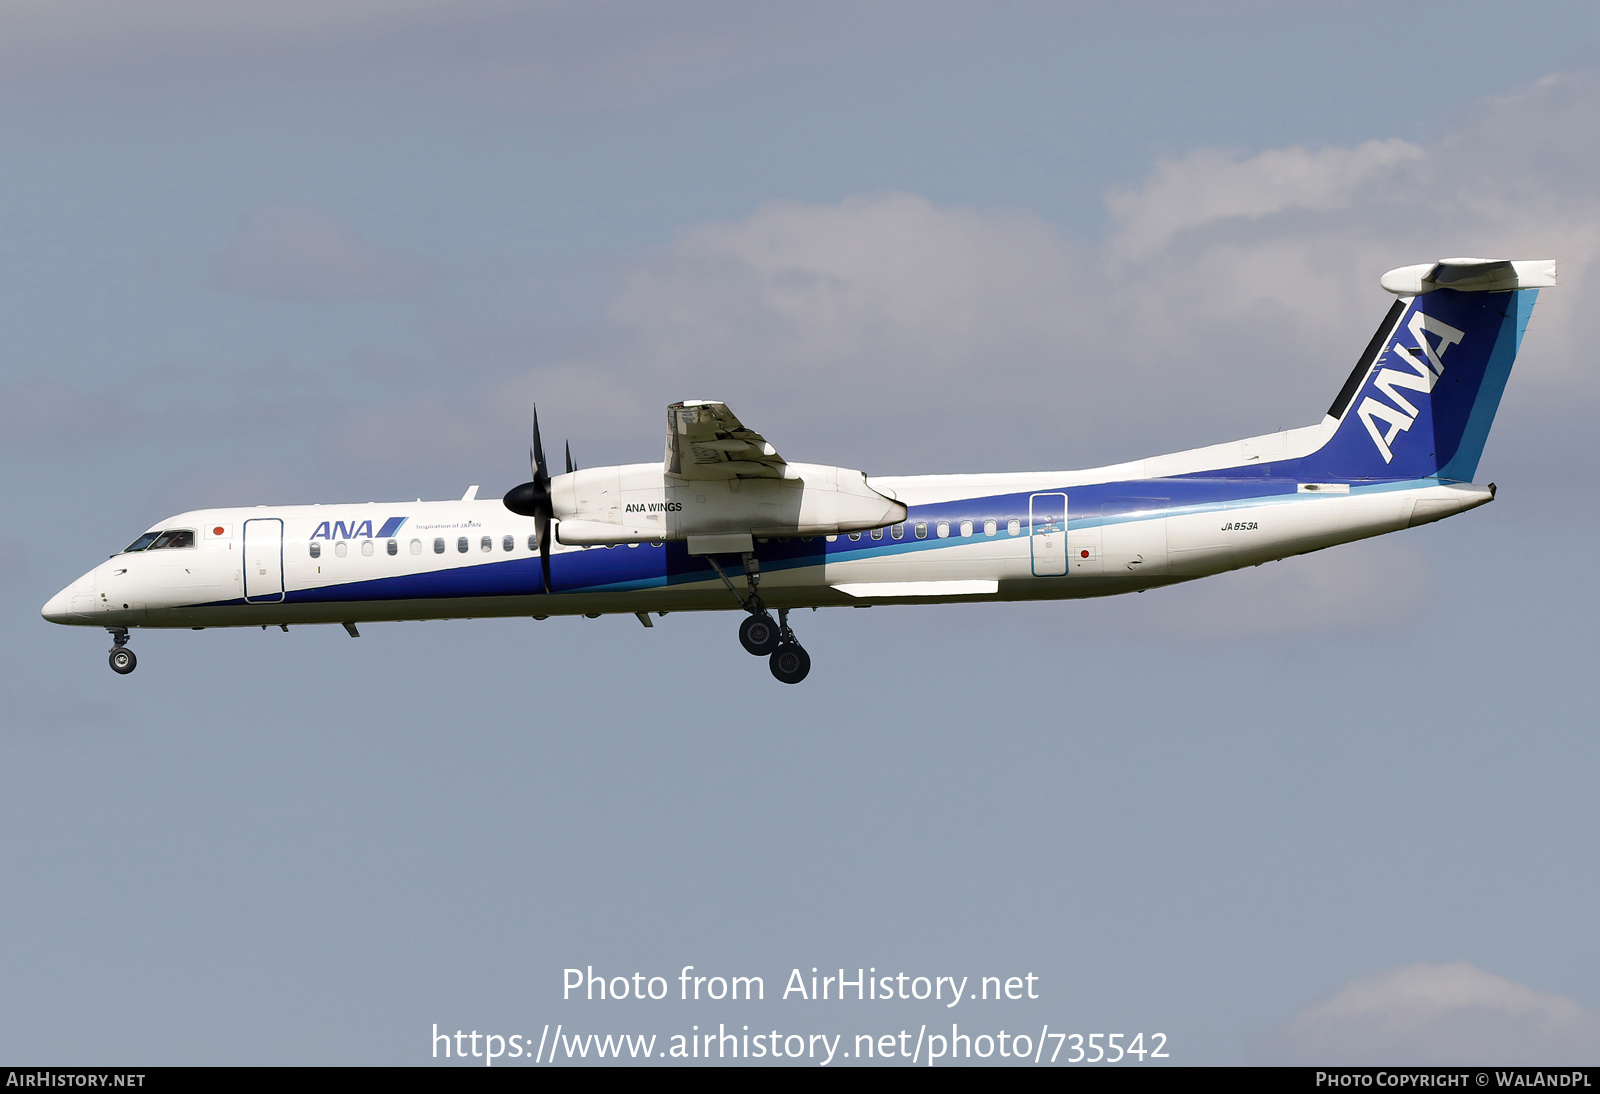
1471, 275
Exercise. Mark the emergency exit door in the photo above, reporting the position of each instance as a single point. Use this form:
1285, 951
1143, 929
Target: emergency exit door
263, 560
1047, 534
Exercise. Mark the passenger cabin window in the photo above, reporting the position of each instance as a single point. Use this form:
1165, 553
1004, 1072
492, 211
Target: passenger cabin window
921, 528
173, 538
340, 548
856, 536
366, 548
898, 531
461, 545
533, 543
316, 549
1013, 526
438, 546
944, 529
990, 527
486, 543
877, 533
142, 542
508, 543
966, 528
394, 547
416, 546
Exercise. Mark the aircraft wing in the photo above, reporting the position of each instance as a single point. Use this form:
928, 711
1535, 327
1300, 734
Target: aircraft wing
706, 441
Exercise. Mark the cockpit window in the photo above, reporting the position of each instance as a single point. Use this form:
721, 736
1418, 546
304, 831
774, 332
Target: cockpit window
142, 542
173, 537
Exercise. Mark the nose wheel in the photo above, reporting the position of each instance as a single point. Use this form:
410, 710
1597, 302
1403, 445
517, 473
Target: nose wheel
122, 659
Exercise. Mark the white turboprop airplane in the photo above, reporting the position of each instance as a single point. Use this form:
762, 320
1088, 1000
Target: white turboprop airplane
726, 522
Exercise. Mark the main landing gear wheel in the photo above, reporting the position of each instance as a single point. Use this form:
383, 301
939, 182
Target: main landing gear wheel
790, 663
758, 634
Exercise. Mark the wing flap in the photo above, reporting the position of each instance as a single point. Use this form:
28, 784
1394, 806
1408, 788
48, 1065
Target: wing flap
705, 440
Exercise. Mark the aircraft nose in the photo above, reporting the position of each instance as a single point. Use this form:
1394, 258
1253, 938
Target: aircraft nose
58, 609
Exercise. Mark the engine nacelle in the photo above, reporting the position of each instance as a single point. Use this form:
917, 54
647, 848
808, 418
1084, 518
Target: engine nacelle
639, 502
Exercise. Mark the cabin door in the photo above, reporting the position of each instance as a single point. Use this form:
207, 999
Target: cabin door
1047, 534
263, 561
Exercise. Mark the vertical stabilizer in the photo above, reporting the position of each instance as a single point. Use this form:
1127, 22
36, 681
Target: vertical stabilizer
1421, 399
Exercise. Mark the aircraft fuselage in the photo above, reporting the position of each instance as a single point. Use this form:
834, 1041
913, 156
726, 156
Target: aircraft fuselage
1045, 539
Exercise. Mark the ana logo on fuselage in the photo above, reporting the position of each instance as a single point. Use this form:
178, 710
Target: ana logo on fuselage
357, 529
1425, 372
655, 507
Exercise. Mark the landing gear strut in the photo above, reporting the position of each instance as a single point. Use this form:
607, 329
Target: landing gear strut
789, 662
122, 659
758, 634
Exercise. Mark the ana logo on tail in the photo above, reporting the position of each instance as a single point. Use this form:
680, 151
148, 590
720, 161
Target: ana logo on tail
1425, 373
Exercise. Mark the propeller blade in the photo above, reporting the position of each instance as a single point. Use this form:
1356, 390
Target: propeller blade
540, 473
532, 499
571, 467
543, 527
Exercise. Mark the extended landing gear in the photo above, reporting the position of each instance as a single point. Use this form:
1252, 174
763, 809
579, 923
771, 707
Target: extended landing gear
759, 634
122, 659
789, 662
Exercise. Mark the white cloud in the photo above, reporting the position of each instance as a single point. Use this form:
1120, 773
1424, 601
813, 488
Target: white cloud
989, 333
1209, 185
1451, 1014
1514, 181
883, 274
292, 251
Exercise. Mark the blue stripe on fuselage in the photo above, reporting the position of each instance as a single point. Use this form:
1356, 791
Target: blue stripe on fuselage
617, 569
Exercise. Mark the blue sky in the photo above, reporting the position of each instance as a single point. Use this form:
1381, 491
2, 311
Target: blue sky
332, 252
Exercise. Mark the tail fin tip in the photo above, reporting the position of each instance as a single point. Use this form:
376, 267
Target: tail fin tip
1471, 275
